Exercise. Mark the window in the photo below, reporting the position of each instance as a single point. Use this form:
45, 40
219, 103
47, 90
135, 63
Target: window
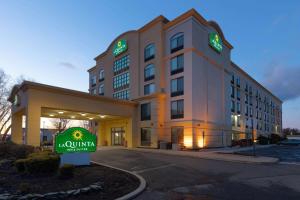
246, 110
177, 64
101, 75
177, 42
238, 94
232, 120
93, 91
177, 109
149, 88
121, 81
246, 98
238, 107
145, 136
232, 78
177, 135
149, 72
121, 65
239, 121
149, 52
122, 95
246, 87
101, 89
145, 111
251, 112
232, 91
177, 87
232, 106
238, 81
93, 80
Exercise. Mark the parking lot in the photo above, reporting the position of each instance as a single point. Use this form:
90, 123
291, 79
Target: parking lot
286, 154
182, 177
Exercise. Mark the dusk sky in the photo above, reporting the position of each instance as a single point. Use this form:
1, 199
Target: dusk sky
55, 42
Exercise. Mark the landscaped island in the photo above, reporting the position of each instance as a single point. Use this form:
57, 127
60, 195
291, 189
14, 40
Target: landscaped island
30, 173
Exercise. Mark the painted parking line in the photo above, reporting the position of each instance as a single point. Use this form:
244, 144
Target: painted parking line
154, 168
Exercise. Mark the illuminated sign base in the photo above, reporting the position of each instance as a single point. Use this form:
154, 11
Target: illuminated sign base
76, 159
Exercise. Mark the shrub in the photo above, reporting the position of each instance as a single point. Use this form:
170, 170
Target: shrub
66, 171
20, 165
263, 140
17, 151
39, 163
24, 188
242, 142
275, 138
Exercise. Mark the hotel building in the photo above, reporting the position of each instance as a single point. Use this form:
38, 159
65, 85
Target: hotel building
170, 81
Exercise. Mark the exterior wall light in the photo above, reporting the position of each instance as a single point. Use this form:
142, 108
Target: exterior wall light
51, 115
60, 112
102, 116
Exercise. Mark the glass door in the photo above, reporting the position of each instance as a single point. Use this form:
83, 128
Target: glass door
117, 136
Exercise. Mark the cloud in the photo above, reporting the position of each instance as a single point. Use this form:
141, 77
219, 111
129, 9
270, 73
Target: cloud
68, 65
283, 81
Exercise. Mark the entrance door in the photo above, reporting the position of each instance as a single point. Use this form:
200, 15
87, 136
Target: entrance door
117, 136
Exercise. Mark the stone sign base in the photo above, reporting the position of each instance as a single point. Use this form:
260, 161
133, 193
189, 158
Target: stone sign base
76, 159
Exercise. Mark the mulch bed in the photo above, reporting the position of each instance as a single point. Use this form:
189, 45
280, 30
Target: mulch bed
115, 183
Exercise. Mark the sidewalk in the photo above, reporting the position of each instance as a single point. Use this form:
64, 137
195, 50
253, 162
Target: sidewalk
238, 149
213, 155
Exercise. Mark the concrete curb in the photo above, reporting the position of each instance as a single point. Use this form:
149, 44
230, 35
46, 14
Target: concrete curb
214, 156
134, 193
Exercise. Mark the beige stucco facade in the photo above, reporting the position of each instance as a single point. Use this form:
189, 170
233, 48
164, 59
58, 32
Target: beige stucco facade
35, 100
210, 117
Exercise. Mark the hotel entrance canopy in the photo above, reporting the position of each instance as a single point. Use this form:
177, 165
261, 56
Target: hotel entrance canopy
36, 100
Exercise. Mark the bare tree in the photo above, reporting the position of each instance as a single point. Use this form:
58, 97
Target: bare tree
5, 105
85, 124
60, 124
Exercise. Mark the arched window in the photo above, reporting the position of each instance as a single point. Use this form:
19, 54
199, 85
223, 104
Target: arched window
177, 42
149, 52
101, 75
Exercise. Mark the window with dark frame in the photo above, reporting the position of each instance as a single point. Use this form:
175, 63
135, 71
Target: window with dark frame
149, 89
177, 87
145, 111
101, 89
177, 64
177, 42
149, 52
177, 135
149, 72
101, 75
145, 136
177, 109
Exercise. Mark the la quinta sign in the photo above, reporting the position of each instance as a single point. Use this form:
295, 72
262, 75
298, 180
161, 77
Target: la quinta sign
215, 42
75, 140
120, 47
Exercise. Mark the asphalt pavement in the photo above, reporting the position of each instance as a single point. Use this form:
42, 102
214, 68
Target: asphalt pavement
179, 177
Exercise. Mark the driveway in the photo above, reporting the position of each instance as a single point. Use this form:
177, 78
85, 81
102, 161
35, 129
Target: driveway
178, 177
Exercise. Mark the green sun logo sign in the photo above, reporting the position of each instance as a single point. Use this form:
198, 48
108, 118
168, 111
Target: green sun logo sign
215, 42
75, 140
120, 47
